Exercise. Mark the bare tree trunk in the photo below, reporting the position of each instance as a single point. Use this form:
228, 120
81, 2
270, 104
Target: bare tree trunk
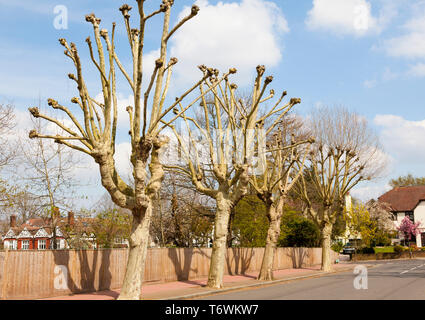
161, 224
54, 238
230, 237
274, 214
139, 237
218, 255
142, 214
326, 246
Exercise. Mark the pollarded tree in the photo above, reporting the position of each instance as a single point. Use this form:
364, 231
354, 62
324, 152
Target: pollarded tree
346, 152
279, 169
96, 134
221, 149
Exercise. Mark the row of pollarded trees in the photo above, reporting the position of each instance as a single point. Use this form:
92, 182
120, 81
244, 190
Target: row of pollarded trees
244, 142
228, 147
317, 171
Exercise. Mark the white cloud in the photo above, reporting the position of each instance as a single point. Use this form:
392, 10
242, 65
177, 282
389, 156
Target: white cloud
403, 138
369, 191
236, 34
387, 75
417, 70
122, 160
352, 17
370, 83
411, 44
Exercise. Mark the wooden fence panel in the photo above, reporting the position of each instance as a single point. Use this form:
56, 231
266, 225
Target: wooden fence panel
34, 274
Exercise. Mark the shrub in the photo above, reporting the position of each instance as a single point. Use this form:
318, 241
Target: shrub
414, 247
367, 250
250, 222
299, 232
398, 249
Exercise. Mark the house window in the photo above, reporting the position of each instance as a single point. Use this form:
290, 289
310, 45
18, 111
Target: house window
119, 241
25, 244
10, 244
410, 215
59, 244
41, 244
394, 216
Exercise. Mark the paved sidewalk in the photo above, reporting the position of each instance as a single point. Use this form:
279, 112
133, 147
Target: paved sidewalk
191, 289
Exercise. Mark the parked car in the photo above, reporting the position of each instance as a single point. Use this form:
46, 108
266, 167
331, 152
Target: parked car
349, 248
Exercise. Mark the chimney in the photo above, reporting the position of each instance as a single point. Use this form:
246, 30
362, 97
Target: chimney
70, 218
348, 202
12, 221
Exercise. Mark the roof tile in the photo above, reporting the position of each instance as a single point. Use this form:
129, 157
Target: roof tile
402, 199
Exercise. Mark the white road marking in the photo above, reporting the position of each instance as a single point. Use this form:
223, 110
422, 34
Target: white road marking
412, 269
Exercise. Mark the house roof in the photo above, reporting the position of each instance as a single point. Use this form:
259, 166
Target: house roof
35, 222
402, 199
32, 228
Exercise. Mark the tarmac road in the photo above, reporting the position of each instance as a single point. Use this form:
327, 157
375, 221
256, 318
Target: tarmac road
385, 280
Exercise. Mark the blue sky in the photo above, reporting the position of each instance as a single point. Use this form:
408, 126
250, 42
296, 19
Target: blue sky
368, 55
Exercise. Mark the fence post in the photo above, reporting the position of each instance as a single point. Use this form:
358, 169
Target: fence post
5, 273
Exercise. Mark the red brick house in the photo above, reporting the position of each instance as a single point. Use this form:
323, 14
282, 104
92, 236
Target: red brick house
34, 234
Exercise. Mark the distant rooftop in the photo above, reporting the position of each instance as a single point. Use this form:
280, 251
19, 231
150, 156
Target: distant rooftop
402, 199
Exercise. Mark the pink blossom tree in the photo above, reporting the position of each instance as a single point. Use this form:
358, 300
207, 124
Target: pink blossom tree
408, 228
